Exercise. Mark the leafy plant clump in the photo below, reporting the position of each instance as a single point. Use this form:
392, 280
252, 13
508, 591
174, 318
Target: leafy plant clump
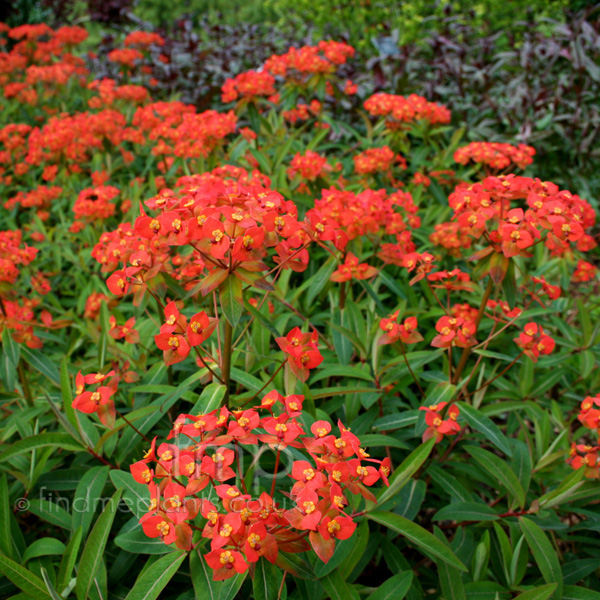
307, 343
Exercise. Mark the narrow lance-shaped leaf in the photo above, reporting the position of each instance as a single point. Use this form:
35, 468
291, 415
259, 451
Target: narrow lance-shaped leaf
544, 553
418, 536
94, 547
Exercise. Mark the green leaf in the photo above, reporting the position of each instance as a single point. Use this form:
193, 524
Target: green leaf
5, 517
574, 592
153, 581
44, 547
585, 322
418, 536
544, 553
67, 392
262, 318
587, 362
485, 425
59, 440
25, 580
342, 550
539, 593
135, 494
378, 440
267, 579
232, 303
578, 569
68, 561
500, 471
361, 539
320, 279
51, 512
86, 498
137, 542
402, 474
395, 588
442, 392
343, 338
204, 586
94, 547
466, 511
11, 348
209, 399
450, 578
338, 589
49, 586
40, 362
509, 285
397, 421
354, 372
569, 486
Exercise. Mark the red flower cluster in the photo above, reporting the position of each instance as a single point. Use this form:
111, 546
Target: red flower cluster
351, 269
562, 216
13, 253
533, 341
452, 237
297, 63
242, 529
177, 337
421, 263
405, 109
309, 165
126, 331
454, 331
95, 204
368, 212
100, 400
302, 112
126, 57
495, 155
585, 271
438, 427
248, 85
584, 456
395, 331
143, 39
302, 350
377, 160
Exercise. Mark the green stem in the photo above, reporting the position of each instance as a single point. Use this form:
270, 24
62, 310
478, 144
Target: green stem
467, 351
226, 360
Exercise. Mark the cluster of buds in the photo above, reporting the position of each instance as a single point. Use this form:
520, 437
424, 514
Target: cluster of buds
242, 528
583, 456
533, 341
302, 350
436, 426
394, 331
